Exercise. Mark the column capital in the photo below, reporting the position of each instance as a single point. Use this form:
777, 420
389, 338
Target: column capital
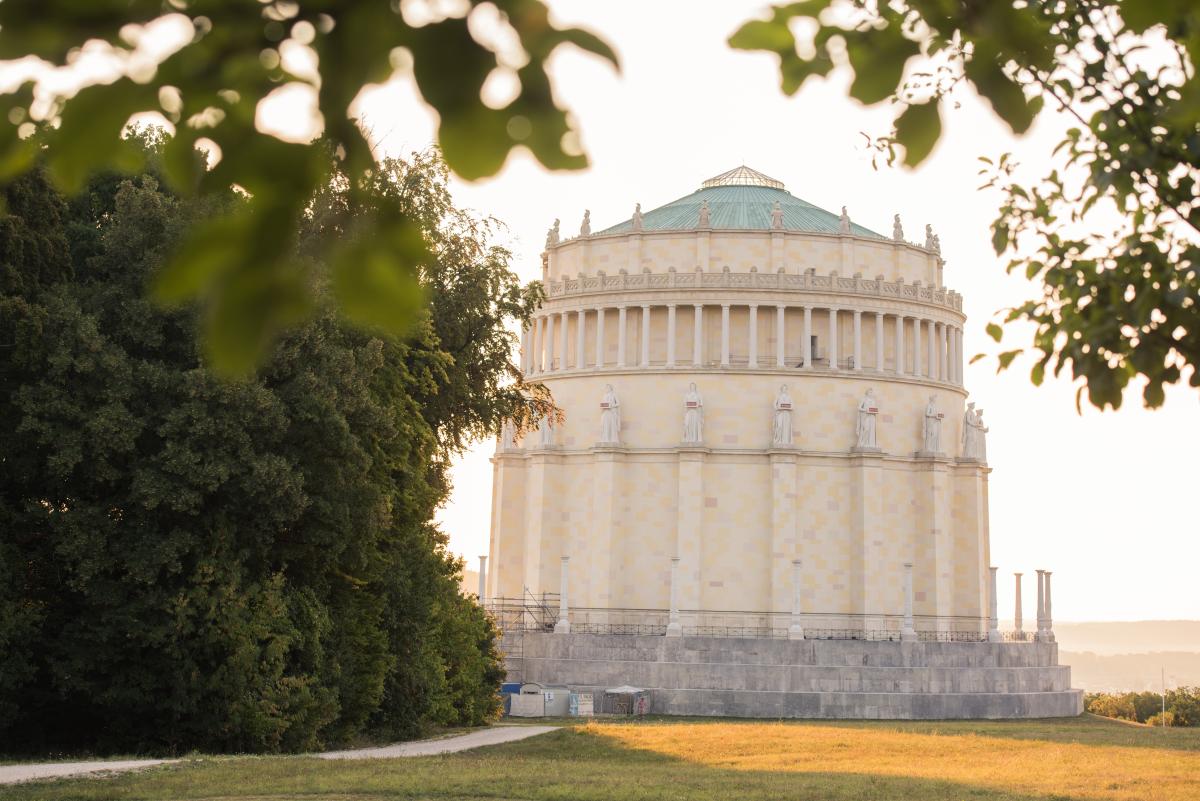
645, 305
726, 305
670, 305
752, 305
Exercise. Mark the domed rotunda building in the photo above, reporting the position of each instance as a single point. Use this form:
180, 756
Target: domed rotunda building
765, 443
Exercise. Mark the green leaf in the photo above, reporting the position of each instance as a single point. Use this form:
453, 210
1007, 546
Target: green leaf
375, 280
918, 129
1007, 357
1005, 96
1038, 374
994, 331
1000, 239
977, 357
878, 57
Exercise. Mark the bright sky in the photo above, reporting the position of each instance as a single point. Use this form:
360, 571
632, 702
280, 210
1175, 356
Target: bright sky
1098, 498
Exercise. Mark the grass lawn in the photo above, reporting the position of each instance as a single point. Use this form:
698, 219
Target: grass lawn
1084, 758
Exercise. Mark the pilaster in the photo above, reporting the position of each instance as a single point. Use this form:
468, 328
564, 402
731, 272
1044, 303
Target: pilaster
875, 561
605, 529
688, 525
783, 528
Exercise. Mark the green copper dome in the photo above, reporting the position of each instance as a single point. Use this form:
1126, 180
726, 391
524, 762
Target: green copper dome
741, 199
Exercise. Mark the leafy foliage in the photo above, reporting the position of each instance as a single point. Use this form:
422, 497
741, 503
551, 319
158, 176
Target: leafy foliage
1113, 232
1182, 706
193, 563
235, 54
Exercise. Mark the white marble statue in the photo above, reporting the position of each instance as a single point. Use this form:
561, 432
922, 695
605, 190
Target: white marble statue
552, 236
508, 435
777, 216
546, 432
932, 429
585, 228
868, 411
610, 417
704, 215
897, 229
781, 436
844, 222
929, 237
637, 217
937, 244
980, 437
693, 416
970, 446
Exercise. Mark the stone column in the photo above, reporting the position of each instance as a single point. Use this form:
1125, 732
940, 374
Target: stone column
933, 360
549, 343
622, 318
698, 336
959, 350
580, 342
563, 626
833, 339
993, 634
796, 631
945, 370
951, 359
1017, 622
780, 335
1041, 607
599, 336
1049, 616
482, 579
857, 340
908, 632
564, 318
724, 334
917, 371
806, 344
674, 628
899, 344
536, 354
879, 341
670, 335
645, 337
752, 360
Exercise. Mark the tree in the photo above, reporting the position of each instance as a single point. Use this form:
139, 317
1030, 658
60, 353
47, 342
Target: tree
190, 562
1120, 302
230, 56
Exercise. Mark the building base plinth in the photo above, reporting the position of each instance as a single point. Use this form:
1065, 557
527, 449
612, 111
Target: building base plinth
781, 678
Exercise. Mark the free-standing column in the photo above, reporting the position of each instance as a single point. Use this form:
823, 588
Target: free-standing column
1017, 610
780, 334
581, 329
562, 337
917, 371
857, 339
933, 359
525, 337
670, 335
879, 341
958, 350
621, 320
1049, 615
482, 578
1041, 607
908, 632
538, 344
674, 629
599, 336
993, 610
753, 358
698, 335
724, 334
833, 337
899, 344
806, 343
549, 342
645, 336
563, 626
795, 631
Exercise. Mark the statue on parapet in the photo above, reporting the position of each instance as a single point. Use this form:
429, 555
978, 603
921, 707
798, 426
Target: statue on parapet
693, 416
637, 217
781, 433
844, 222
777, 216
585, 228
552, 235
928, 237
704, 215
897, 229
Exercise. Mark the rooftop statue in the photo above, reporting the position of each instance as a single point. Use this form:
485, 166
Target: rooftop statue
781, 436
693, 416
704, 218
585, 228
637, 217
897, 229
868, 410
937, 244
844, 222
777, 216
929, 237
610, 417
552, 236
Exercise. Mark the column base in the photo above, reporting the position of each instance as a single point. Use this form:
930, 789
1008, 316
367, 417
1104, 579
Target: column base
674, 629
795, 632
995, 636
908, 635
1044, 636
563, 626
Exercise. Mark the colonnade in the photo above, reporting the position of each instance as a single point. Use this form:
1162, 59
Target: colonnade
936, 346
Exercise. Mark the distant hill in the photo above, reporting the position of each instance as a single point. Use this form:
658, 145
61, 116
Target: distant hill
1129, 637
1122, 672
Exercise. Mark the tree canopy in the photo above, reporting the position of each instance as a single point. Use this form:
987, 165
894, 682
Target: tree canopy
233, 54
1119, 301
190, 562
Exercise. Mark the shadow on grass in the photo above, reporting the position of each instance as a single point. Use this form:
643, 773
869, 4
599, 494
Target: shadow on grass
568, 765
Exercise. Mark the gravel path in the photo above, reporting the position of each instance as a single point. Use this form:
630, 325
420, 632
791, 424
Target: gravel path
12, 774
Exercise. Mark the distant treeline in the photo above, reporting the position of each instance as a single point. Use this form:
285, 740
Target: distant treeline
1182, 706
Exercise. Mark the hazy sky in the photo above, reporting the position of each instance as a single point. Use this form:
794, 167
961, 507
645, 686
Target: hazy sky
1098, 498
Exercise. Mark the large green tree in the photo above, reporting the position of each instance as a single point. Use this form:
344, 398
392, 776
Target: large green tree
1118, 302
192, 562
233, 54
